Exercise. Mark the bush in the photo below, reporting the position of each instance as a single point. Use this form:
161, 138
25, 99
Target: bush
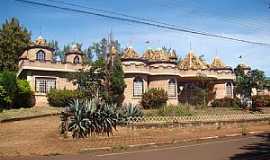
226, 102
14, 93
261, 100
175, 110
9, 88
154, 98
24, 95
61, 98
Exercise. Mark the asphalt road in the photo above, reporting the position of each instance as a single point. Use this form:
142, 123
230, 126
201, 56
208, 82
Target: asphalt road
240, 148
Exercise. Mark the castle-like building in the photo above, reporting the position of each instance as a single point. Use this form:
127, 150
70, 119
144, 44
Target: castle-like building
155, 68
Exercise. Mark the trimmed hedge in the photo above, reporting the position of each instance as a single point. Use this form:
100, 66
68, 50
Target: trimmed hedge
261, 100
154, 98
226, 102
61, 98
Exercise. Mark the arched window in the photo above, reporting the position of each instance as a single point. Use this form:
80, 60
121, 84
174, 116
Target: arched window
40, 56
229, 90
137, 86
76, 60
172, 88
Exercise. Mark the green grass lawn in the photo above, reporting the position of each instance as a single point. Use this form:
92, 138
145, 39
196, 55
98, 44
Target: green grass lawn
28, 112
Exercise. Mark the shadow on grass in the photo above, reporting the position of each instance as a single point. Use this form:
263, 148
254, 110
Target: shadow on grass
256, 151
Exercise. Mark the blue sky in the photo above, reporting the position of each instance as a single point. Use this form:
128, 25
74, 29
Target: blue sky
245, 19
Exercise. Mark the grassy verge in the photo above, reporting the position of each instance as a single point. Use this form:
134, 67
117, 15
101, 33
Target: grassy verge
28, 112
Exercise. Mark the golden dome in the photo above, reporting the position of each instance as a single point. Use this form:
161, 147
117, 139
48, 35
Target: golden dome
156, 55
217, 63
40, 41
130, 53
192, 62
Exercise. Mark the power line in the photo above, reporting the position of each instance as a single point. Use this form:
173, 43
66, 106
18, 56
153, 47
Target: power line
142, 22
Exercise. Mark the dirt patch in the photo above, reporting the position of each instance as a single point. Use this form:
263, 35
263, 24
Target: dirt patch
41, 137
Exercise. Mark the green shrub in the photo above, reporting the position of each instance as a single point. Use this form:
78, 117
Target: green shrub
154, 98
14, 93
4, 98
9, 88
174, 110
61, 98
226, 102
24, 95
261, 100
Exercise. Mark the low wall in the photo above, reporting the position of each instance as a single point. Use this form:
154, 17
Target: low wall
202, 124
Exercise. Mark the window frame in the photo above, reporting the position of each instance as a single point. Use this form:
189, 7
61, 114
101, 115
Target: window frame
175, 88
78, 60
38, 55
137, 79
227, 85
45, 79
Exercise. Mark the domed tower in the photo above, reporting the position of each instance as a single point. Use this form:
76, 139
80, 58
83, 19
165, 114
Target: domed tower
38, 50
74, 55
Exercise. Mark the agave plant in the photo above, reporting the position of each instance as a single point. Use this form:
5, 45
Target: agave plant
89, 117
79, 122
130, 111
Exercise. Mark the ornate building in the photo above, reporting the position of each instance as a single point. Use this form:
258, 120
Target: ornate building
153, 69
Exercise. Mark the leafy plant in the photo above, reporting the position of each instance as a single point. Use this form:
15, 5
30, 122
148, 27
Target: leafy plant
129, 111
24, 95
174, 110
61, 98
87, 117
261, 100
226, 102
154, 98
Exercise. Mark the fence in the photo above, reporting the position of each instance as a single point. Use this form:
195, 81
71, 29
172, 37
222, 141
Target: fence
199, 118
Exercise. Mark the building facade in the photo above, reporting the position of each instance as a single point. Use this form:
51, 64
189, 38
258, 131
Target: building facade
155, 68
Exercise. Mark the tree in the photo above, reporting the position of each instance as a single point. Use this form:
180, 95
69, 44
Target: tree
245, 82
57, 51
104, 79
13, 39
118, 84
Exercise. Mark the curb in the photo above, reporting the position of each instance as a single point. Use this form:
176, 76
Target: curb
140, 146
27, 118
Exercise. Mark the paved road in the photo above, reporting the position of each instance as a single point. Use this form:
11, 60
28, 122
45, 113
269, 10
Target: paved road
241, 148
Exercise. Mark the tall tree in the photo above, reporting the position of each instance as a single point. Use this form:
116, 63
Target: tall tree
117, 82
245, 82
13, 39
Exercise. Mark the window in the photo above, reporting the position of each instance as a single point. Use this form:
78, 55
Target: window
76, 60
229, 90
137, 87
172, 88
43, 85
40, 56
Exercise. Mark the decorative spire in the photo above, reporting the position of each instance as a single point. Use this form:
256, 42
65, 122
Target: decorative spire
40, 41
129, 52
192, 62
217, 63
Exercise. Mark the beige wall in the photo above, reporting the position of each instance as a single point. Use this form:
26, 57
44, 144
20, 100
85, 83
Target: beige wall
163, 82
31, 54
69, 58
129, 98
220, 90
61, 83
